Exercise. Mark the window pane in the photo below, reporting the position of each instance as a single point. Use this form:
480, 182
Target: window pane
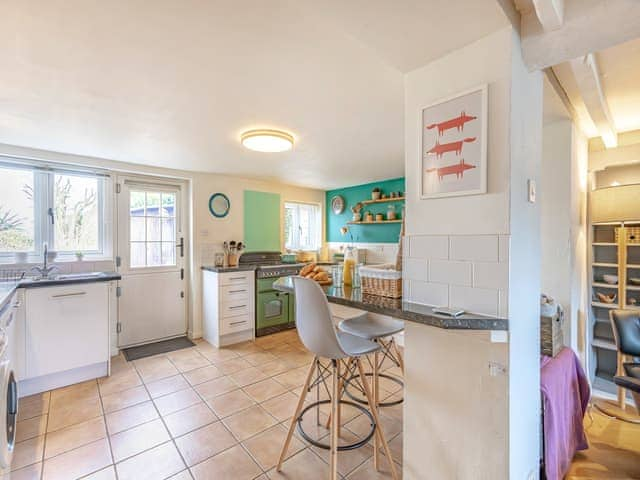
168, 205
153, 204
137, 229
153, 229
168, 230
138, 254
168, 253
16, 210
154, 256
136, 203
302, 226
75, 206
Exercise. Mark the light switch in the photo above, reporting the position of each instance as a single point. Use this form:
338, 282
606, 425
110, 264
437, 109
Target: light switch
532, 190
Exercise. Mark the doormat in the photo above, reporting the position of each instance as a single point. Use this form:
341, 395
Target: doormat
136, 353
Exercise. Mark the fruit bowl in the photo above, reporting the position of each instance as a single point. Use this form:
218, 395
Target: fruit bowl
610, 279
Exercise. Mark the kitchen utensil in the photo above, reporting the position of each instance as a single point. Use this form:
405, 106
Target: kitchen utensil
610, 279
606, 298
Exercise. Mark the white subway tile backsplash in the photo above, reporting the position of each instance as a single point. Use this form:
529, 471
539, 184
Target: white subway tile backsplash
475, 300
491, 275
503, 248
480, 248
415, 269
436, 294
429, 246
451, 272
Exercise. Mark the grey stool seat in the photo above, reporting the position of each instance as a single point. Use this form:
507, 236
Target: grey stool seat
371, 327
626, 332
355, 346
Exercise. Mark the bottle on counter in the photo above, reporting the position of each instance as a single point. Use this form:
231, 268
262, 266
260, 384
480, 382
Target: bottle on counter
349, 264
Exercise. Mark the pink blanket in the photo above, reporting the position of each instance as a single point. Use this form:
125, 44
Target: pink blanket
565, 393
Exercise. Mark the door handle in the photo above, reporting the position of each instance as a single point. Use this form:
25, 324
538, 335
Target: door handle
238, 323
181, 246
236, 291
74, 294
237, 306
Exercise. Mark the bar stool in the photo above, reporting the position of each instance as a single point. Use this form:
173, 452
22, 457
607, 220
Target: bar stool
317, 333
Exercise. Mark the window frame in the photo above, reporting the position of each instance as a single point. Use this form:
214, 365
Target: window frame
43, 199
300, 248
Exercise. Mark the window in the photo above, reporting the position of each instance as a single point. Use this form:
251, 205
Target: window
302, 226
62, 209
152, 228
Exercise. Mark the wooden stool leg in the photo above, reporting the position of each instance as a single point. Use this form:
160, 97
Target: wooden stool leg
376, 418
398, 354
622, 393
335, 402
301, 399
376, 401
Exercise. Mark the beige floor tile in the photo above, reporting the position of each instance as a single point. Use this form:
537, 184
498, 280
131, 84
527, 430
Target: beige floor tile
118, 382
269, 341
293, 378
216, 387
33, 427
33, 406
348, 460
296, 358
120, 364
160, 462
264, 390
205, 442
32, 472
189, 419
138, 439
72, 393
304, 465
155, 368
266, 446
75, 436
367, 472
124, 399
260, 358
361, 425
108, 473
247, 376
230, 403
188, 359
129, 417
274, 368
201, 375
395, 445
79, 462
176, 401
234, 464
28, 452
166, 386
184, 475
234, 365
76, 411
281, 407
214, 355
249, 422
245, 348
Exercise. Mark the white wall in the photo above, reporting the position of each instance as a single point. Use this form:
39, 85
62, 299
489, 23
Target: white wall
486, 250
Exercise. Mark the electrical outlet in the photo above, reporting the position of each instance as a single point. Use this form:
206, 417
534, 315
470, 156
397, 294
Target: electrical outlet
496, 369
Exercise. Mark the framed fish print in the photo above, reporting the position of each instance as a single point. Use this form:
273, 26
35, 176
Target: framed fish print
454, 145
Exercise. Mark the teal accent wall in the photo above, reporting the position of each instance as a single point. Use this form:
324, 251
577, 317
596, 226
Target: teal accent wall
364, 233
261, 221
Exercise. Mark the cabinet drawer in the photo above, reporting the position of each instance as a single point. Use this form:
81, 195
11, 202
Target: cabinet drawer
236, 324
232, 293
235, 308
237, 278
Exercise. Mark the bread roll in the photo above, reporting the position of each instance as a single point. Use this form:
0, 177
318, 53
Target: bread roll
321, 277
307, 269
318, 269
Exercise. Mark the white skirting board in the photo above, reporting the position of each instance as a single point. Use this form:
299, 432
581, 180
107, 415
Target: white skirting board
32, 386
231, 338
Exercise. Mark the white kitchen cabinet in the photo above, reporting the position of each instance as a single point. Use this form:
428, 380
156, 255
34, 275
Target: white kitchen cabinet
66, 334
228, 307
15, 328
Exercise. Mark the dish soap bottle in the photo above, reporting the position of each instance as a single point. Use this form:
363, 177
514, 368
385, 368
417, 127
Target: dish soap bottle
349, 265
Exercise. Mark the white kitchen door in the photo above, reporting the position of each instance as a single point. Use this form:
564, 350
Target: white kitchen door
150, 258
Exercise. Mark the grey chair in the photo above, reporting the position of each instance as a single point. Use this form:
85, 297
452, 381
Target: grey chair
626, 332
319, 336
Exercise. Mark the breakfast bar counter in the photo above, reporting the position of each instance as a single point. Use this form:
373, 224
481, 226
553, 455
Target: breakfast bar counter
397, 308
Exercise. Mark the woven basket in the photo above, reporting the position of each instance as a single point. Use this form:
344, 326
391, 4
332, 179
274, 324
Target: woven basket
633, 234
382, 280
551, 338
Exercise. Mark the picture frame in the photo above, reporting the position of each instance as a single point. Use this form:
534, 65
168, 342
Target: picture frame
453, 136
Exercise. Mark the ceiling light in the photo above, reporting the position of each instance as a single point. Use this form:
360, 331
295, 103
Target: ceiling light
610, 139
267, 140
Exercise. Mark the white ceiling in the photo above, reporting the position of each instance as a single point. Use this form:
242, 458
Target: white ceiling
173, 83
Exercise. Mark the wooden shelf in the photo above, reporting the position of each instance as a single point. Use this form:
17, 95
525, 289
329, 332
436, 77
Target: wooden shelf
605, 285
605, 305
376, 223
612, 265
382, 200
633, 265
633, 288
604, 244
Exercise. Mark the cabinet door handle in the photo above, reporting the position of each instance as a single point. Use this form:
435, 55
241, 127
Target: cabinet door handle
74, 294
17, 305
236, 291
237, 278
237, 306
238, 323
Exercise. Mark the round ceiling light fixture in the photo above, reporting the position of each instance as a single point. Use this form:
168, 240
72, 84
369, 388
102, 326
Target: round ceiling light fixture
267, 140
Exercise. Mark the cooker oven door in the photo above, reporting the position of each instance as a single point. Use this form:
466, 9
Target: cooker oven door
272, 309
9, 412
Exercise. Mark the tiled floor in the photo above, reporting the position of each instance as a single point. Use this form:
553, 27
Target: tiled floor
201, 413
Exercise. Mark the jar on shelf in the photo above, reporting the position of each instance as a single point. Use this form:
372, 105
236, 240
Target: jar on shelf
391, 212
350, 256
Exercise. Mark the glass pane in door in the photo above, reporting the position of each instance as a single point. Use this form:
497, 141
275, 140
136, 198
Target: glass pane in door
152, 229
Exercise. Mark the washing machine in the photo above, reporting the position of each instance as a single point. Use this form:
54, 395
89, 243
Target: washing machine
8, 393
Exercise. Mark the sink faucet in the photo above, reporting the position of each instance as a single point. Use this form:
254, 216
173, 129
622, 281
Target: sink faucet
45, 270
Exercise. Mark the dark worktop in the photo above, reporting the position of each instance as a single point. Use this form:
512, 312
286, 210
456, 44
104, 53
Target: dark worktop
240, 268
413, 312
8, 288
